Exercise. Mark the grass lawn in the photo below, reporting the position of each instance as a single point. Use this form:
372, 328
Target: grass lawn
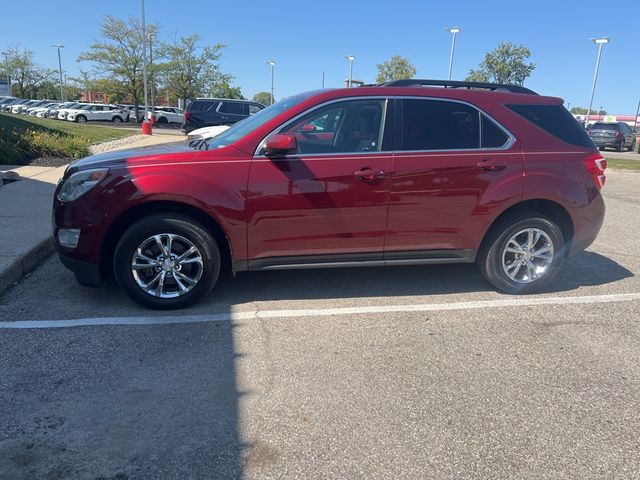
92, 133
623, 163
28, 140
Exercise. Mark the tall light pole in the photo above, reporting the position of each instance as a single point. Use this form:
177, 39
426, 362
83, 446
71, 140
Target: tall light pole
6, 63
144, 63
351, 58
60, 70
635, 120
453, 31
600, 42
273, 64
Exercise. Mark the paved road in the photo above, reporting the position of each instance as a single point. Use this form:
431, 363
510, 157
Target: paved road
419, 372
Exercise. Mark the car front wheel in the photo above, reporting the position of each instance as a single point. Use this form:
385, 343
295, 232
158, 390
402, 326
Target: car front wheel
167, 262
522, 254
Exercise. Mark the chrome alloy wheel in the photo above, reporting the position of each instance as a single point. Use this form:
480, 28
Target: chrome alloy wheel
527, 255
167, 265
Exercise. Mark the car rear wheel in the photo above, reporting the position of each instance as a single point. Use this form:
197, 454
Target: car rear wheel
167, 262
522, 254
116, 119
621, 147
162, 121
632, 147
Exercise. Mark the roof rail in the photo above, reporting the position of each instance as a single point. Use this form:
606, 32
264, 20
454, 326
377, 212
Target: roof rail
415, 82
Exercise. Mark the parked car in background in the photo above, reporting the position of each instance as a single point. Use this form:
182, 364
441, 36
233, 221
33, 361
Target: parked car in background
199, 135
166, 115
7, 107
19, 107
404, 173
205, 112
96, 112
616, 135
40, 108
63, 112
52, 112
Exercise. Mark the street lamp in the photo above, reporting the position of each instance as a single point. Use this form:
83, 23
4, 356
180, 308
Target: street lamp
60, 70
351, 58
453, 31
600, 42
6, 63
273, 64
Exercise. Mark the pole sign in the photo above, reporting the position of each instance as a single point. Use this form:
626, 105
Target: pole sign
5, 89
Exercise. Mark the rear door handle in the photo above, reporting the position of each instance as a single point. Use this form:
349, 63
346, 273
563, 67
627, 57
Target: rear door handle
368, 174
492, 165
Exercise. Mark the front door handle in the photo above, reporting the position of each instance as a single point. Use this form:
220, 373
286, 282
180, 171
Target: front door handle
368, 174
492, 165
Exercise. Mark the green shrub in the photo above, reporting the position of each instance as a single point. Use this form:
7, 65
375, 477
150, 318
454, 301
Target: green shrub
18, 146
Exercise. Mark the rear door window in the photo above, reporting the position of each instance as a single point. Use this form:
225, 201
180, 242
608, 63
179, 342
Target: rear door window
254, 109
234, 108
202, 105
556, 120
439, 125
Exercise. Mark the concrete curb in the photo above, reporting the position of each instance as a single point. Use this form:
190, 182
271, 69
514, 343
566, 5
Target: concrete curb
26, 263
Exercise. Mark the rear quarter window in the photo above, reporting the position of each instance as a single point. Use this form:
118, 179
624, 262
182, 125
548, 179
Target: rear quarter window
556, 120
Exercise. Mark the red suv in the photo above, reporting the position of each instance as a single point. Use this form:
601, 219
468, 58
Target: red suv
404, 173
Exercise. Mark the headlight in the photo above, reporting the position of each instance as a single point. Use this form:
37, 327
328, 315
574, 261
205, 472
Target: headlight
81, 182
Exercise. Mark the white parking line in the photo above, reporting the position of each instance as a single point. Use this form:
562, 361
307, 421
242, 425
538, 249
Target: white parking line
321, 312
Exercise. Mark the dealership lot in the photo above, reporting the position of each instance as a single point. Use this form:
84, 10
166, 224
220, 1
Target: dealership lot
421, 372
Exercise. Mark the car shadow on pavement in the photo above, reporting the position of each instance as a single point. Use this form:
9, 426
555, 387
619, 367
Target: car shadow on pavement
585, 269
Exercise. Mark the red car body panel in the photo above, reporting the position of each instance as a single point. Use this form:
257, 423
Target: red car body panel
301, 206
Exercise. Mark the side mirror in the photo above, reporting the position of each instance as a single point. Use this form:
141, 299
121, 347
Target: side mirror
281, 144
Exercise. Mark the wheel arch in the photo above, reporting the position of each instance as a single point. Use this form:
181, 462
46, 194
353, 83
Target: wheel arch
128, 217
550, 209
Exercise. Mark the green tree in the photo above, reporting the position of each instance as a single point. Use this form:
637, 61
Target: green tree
190, 70
26, 75
583, 111
262, 97
119, 55
396, 68
506, 64
221, 88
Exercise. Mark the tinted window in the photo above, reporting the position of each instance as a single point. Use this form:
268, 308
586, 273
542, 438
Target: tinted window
439, 125
344, 127
235, 108
492, 135
604, 126
254, 109
202, 105
556, 120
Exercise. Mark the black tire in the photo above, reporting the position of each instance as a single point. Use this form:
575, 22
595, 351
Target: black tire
621, 147
162, 121
490, 254
632, 147
81, 119
174, 224
116, 119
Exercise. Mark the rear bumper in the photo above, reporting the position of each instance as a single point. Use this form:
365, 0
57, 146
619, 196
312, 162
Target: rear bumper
587, 224
87, 274
602, 143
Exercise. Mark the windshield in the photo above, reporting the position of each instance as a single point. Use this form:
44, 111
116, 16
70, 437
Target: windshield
255, 121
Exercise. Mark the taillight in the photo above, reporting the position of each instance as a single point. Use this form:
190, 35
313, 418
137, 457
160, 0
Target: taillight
618, 134
596, 165
186, 115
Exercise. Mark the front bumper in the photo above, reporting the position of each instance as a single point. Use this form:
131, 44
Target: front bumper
87, 274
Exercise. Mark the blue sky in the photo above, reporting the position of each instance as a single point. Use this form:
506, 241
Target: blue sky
308, 38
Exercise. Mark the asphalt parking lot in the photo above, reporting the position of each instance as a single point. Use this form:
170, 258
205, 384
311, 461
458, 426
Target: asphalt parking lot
408, 372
